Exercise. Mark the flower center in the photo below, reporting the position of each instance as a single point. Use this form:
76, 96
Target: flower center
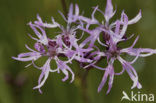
113, 53
39, 47
52, 48
66, 40
106, 36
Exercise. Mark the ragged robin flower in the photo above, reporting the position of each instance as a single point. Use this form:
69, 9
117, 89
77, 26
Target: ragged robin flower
65, 44
113, 34
61, 45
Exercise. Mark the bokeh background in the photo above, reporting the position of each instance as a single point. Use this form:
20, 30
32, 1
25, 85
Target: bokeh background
16, 82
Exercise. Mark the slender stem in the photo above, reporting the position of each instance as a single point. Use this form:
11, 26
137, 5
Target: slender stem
84, 87
64, 6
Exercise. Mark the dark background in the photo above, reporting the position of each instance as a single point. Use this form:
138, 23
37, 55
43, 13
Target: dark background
16, 82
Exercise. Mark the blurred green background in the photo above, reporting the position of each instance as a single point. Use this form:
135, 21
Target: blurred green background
16, 82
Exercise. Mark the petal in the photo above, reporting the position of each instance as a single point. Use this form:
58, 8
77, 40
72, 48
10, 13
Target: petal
73, 41
111, 78
109, 10
123, 70
76, 10
29, 48
101, 42
81, 59
27, 57
103, 80
42, 36
35, 30
66, 75
44, 75
125, 24
32, 37
146, 52
109, 71
135, 41
97, 67
132, 73
62, 15
70, 14
39, 18
63, 67
29, 54
39, 22
117, 29
47, 25
86, 41
93, 13
143, 52
135, 59
136, 19
39, 47
94, 35
88, 20
73, 75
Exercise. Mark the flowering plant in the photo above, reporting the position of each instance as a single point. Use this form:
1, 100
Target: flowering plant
67, 44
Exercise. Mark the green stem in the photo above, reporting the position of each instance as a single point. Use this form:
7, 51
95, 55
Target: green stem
64, 6
84, 87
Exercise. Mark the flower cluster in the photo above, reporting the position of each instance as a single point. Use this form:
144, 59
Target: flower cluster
66, 44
